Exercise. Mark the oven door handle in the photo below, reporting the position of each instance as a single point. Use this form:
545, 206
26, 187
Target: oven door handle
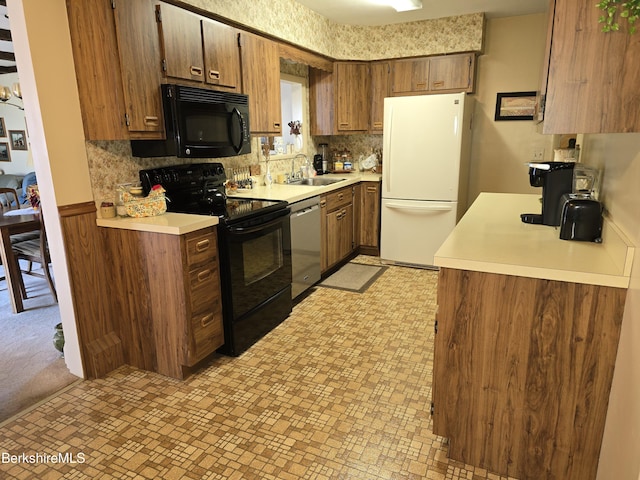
257, 228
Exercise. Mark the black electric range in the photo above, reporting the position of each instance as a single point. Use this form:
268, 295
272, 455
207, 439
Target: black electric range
254, 244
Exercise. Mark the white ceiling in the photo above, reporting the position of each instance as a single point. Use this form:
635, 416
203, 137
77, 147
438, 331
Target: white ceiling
373, 12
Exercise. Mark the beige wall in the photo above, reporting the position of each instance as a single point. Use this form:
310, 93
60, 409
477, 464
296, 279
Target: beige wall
619, 156
512, 62
42, 45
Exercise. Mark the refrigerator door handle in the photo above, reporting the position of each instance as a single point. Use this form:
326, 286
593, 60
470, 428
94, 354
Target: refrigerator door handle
421, 208
387, 139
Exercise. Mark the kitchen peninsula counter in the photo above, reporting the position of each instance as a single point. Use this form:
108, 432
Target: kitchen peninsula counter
527, 332
491, 238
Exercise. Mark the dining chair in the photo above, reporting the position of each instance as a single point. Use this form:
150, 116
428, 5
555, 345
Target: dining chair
36, 250
8, 196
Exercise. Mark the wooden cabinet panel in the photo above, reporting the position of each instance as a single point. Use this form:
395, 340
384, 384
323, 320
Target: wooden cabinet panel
181, 42
221, 55
337, 227
593, 76
321, 105
97, 65
139, 52
410, 76
261, 81
351, 96
522, 372
380, 72
169, 311
446, 73
369, 222
451, 72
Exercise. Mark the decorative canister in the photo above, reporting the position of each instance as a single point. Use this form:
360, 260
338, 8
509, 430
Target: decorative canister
58, 339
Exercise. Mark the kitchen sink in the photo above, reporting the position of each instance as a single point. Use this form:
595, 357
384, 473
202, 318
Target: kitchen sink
316, 182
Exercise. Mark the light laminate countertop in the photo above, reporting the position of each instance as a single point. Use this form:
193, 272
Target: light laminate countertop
295, 193
491, 238
168, 223
181, 223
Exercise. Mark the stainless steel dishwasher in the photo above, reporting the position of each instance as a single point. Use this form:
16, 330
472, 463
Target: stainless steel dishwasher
305, 244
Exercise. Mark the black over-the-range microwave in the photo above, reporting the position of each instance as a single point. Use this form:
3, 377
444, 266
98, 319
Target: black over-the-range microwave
200, 123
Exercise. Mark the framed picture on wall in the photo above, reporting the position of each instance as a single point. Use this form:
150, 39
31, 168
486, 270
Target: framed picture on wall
515, 106
3, 131
5, 154
18, 139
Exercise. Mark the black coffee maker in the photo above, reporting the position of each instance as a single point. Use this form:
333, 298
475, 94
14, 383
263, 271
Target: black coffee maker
556, 179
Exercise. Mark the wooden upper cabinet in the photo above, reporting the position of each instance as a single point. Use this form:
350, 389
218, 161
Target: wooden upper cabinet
446, 73
181, 42
139, 53
410, 76
261, 82
321, 101
221, 56
452, 72
95, 54
379, 90
593, 76
352, 101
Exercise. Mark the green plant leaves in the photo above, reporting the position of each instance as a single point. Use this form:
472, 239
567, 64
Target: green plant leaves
614, 9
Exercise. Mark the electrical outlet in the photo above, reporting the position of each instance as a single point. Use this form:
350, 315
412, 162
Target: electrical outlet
537, 154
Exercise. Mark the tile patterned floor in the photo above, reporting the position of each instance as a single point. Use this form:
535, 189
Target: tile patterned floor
340, 390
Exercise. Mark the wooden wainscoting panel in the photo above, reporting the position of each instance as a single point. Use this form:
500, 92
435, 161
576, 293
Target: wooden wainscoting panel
91, 280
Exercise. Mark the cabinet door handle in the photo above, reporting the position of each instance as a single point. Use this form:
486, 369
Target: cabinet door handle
207, 320
276, 124
421, 85
438, 84
151, 121
196, 71
214, 74
372, 189
202, 245
344, 124
204, 275
377, 124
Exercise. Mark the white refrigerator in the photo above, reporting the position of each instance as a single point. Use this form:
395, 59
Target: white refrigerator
425, 164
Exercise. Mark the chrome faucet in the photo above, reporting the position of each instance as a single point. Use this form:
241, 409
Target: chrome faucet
296, 175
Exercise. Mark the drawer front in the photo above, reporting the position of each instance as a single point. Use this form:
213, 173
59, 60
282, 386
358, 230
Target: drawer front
204, 285
201, 247
207, 334
339, 198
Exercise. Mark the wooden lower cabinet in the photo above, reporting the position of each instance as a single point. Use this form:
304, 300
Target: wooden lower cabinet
337, 227
369, 221
522, 372
167, 298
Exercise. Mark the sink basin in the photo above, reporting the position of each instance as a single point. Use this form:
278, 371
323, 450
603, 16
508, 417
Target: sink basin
316, 181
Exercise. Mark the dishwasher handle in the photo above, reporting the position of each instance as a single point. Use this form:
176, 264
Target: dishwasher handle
305, 211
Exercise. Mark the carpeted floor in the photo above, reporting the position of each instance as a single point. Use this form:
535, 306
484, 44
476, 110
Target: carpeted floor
31, 369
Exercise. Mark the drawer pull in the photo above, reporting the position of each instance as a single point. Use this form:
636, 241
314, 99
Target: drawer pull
323, 203
204, 275
207, 320
372, 189
340, 196
149, 120
202, 245
214, 74
196, 71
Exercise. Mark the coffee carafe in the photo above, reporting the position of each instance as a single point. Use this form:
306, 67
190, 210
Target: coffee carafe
556, 179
